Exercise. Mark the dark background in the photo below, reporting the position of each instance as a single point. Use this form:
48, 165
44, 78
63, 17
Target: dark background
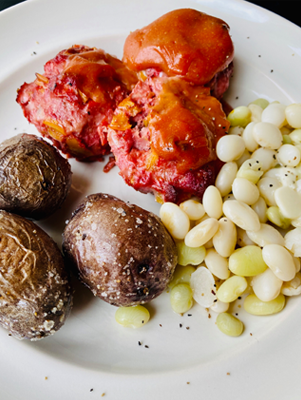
287, 9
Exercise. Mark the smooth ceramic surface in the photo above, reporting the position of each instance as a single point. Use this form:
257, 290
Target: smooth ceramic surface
92, 356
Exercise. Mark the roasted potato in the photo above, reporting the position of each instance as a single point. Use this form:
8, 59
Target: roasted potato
121, 252
34, 178
35, 291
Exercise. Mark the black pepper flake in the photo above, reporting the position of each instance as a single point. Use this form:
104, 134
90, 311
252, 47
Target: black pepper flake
88, 112
213, 292
236, 97
189, 315
91, 390
272, 70
271, 185
180, 325
236, 313
214, 301
139, 343
259, 55
274, 156
239, 298
187, 327
160, 325
142, 321
146, 346
251, 334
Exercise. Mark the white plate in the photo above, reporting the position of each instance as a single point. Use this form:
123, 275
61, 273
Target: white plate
91, 351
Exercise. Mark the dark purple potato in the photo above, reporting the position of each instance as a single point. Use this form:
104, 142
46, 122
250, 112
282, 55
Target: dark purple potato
121, 252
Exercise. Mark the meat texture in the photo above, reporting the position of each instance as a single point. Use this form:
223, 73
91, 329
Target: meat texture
163, 136
185, 43
73, 102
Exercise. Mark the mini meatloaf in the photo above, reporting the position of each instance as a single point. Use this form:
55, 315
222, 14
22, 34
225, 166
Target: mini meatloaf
185, 43
73, 102
164, 135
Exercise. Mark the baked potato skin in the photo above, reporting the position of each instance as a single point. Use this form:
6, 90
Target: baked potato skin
34, 178
35, 291
121, 252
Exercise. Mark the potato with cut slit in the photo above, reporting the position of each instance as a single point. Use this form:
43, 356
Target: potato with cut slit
122, 252
35, 291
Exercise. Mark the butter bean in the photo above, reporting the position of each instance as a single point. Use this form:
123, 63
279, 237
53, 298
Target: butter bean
253, 305
280, 261
229, 325
175, 220
224, 241
247, 261
212, 202
217, 264
226, 177
266, 286
241, 214
231, 289
267, 234
201, 233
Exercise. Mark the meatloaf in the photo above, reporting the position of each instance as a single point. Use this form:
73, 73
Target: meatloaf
73, 102
186, 43
163, 136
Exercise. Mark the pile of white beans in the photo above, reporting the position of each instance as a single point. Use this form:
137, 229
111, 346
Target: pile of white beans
244, 239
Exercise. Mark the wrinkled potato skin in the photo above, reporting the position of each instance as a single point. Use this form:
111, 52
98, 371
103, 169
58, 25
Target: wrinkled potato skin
35, 292
121, 252
34, 178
